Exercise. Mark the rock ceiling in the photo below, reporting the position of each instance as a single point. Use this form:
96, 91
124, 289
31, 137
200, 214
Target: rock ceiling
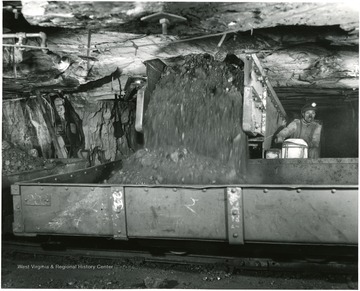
310, 46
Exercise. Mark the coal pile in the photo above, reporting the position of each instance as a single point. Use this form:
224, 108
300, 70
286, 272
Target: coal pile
196, 110
172, 166
16, 160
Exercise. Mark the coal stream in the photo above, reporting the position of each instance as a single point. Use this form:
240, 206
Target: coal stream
192, 127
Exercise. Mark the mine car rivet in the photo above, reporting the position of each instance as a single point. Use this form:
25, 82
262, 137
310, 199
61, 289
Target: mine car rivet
234, 212
71, 176
66, 188
146, 189
85, 172
298, 190
92, 189
18, 207
204, 190
235, 235
174, 189
333, 190
119, 231
41, 188
266, 190
233, 190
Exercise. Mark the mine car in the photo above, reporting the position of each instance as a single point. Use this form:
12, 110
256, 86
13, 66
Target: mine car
280, 201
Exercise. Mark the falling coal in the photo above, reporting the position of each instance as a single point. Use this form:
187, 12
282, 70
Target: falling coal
192, 127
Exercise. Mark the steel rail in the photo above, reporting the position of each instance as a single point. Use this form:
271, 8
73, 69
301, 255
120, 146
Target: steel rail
242, 263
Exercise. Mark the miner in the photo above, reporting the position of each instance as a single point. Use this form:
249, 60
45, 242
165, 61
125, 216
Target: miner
69, 130
306, 128
60, 125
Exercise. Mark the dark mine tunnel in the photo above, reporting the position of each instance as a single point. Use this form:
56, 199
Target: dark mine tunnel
219, 138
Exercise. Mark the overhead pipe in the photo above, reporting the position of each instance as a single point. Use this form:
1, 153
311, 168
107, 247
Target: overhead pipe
23, 35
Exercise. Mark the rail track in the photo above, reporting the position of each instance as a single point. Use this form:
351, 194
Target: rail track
345, 262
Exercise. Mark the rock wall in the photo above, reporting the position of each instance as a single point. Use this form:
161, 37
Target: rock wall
24, 126
98, 128
97, 118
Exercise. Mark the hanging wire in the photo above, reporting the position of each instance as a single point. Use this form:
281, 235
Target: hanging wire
136, 46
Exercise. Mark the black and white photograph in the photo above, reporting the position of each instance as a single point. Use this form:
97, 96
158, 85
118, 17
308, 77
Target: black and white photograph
180, 145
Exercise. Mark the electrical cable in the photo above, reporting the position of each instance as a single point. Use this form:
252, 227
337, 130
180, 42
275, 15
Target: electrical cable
135, 45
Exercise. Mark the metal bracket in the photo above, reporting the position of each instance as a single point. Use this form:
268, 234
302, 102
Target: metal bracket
235, 215
164, 19
117, 199
18, 224
15, 189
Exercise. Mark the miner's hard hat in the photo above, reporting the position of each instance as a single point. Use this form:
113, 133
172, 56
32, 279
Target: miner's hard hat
309, 106
58, 101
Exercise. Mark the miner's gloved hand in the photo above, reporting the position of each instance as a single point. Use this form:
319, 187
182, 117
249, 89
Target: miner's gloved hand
59, 130
279, 139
